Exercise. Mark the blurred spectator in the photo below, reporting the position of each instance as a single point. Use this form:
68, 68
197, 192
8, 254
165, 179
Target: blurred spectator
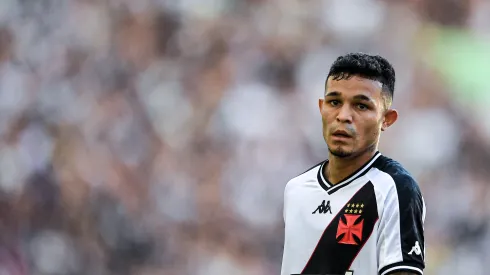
156, 137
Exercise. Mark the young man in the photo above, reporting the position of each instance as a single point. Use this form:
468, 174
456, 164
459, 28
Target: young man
359, 212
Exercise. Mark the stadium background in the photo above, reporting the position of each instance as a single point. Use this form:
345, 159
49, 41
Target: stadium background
156, 137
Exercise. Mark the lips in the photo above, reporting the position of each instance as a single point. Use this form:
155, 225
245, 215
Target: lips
341, 133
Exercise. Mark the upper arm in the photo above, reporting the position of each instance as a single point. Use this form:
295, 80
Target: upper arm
401, 245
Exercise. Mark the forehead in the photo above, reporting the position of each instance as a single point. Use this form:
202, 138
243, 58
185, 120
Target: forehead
354, 86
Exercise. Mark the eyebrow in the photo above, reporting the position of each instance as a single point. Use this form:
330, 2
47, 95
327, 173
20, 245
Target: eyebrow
333, 94
363, 98
356, 97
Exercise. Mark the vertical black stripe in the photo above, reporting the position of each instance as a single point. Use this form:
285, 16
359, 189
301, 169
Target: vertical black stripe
332, 257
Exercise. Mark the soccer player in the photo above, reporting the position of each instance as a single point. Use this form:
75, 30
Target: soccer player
358, 212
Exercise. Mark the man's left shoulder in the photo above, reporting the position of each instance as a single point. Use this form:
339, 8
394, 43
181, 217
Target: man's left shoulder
404, 182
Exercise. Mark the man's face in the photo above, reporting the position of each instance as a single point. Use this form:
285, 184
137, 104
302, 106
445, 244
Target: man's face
353, 114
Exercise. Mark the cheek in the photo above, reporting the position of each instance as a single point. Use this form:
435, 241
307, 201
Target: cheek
324, 113
325, 118
371, 131
324, 123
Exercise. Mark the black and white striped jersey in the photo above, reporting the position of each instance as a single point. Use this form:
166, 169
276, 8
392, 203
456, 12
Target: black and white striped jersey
368, 224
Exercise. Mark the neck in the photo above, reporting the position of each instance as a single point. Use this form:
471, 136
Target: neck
339, 168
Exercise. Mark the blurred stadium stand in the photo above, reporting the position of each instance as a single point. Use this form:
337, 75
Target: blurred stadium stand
156, 136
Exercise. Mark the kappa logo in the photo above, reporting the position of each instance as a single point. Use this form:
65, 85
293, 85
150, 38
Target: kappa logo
416, 249
323, 208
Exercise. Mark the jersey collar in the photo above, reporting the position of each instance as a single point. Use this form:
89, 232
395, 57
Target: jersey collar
331, 188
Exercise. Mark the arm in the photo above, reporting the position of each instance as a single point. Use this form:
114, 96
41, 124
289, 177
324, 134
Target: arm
401, 245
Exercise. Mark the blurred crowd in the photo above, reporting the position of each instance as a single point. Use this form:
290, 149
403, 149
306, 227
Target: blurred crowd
156, 136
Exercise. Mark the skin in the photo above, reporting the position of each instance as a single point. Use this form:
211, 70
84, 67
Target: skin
359, 107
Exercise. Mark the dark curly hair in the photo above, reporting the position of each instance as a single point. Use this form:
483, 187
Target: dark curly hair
367, 66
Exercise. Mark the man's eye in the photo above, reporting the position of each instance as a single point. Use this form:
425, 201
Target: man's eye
334, 102
362, 106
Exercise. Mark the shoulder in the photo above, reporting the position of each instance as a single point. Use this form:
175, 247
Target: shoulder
308, 175
405, 184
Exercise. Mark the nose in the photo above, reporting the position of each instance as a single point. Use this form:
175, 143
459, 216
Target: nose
345, 114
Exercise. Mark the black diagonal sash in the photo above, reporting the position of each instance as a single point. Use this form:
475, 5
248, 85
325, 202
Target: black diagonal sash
340, 245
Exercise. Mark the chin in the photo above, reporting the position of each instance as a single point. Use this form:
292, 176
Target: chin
340, 152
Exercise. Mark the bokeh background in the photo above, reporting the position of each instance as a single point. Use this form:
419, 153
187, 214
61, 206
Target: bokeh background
156, 136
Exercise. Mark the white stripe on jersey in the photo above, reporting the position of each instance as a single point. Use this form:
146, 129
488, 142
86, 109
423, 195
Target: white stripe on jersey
403, 267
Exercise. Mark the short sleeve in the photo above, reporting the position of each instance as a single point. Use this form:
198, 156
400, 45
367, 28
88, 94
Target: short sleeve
401, 245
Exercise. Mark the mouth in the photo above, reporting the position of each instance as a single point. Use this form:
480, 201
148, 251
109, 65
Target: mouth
341, 134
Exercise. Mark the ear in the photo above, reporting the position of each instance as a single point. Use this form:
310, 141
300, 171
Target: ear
390, 117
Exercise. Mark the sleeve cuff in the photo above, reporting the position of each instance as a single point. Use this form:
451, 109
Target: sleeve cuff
401, 266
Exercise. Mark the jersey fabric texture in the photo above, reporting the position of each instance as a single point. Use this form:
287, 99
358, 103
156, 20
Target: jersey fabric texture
368, 224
